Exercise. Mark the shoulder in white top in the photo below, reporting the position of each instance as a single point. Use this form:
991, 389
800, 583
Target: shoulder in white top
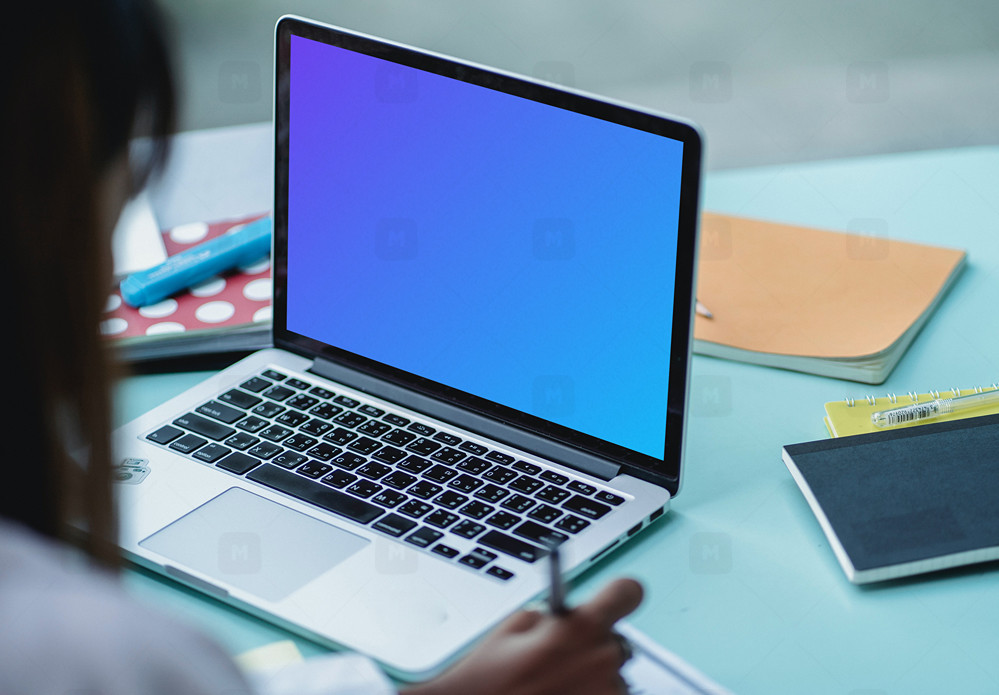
68, 628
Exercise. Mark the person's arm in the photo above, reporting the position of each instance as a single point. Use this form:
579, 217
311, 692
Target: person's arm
535, 653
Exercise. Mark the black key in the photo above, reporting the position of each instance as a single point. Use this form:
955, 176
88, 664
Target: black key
553, 494
222, 412
394, 525
422, 429
188, 443
581, 488
371, 411
326, 410
586, 507
553, 477
299, 441
374, 428
467, 529
425, 489
465, 483
240, 399
320, 392
252, 424
400, 480
609, 498
474, 465
497, 540
204, 426
349, 419
415, 509
346, 401
540, 534
389, 454
499, 573
518, 503
255, 384
297, 384
316, 427
324, 451
278, 393
440, 473
211, 453
525, 467
302, 401
478, 558
397, 420
374, 470
399, 437
348, 461
491, 493
441, 519
268, 409
423, 446
423, 537
274, 375
292, 418
265, 450
503, 520
415, 464
545, 513
239, 463
500, 474
275, 433
389, 498
289, 459
445, 550
338, 478
474, 448
314, 469
449, 499
499, 457
527, 484
364, 488
476, 509
448, 438
571, 523
340, 436
365, 445
165, 434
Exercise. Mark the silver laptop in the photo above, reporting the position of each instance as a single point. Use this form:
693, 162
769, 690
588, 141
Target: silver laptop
482, 327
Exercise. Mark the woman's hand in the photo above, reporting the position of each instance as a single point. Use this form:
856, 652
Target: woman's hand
534, 653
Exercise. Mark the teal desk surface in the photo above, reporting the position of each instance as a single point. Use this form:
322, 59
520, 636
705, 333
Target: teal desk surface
740, 580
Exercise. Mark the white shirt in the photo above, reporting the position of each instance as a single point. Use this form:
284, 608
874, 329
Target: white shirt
67, 628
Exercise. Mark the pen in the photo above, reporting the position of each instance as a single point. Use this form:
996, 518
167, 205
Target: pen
556, 593
703, 310
180, 271
931, 409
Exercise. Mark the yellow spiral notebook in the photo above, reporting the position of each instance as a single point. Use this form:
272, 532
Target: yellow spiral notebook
853, 415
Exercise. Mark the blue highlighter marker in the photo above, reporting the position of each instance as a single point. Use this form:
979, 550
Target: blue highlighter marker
231, 250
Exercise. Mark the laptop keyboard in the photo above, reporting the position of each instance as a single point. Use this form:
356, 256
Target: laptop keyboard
402, 477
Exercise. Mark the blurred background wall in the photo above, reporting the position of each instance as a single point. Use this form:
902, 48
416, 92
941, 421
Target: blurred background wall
769, 81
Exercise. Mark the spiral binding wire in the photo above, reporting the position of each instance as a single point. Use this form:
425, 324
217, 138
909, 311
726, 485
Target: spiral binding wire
914, 397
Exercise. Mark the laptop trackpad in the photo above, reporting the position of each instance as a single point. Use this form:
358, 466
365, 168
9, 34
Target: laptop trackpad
254, 544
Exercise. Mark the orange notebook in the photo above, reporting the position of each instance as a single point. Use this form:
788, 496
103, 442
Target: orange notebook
825, 302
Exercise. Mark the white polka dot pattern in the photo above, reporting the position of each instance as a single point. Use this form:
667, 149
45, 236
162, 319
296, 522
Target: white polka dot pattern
240, 297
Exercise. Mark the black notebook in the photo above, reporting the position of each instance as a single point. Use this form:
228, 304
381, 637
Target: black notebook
903, 502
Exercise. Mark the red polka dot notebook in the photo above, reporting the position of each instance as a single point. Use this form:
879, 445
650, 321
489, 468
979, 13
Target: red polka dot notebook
226, 313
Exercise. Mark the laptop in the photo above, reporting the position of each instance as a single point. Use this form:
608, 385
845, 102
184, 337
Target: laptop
483, 300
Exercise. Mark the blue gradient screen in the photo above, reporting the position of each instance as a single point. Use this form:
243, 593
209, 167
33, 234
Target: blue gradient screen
506, 248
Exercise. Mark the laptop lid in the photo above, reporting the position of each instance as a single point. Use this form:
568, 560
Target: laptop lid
507, 248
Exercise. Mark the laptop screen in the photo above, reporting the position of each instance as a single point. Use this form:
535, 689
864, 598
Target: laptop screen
496, 245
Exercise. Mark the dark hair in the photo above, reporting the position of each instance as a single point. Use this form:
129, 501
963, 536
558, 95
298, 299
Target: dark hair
80, 81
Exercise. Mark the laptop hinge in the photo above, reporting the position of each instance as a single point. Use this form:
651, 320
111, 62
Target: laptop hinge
459, 417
